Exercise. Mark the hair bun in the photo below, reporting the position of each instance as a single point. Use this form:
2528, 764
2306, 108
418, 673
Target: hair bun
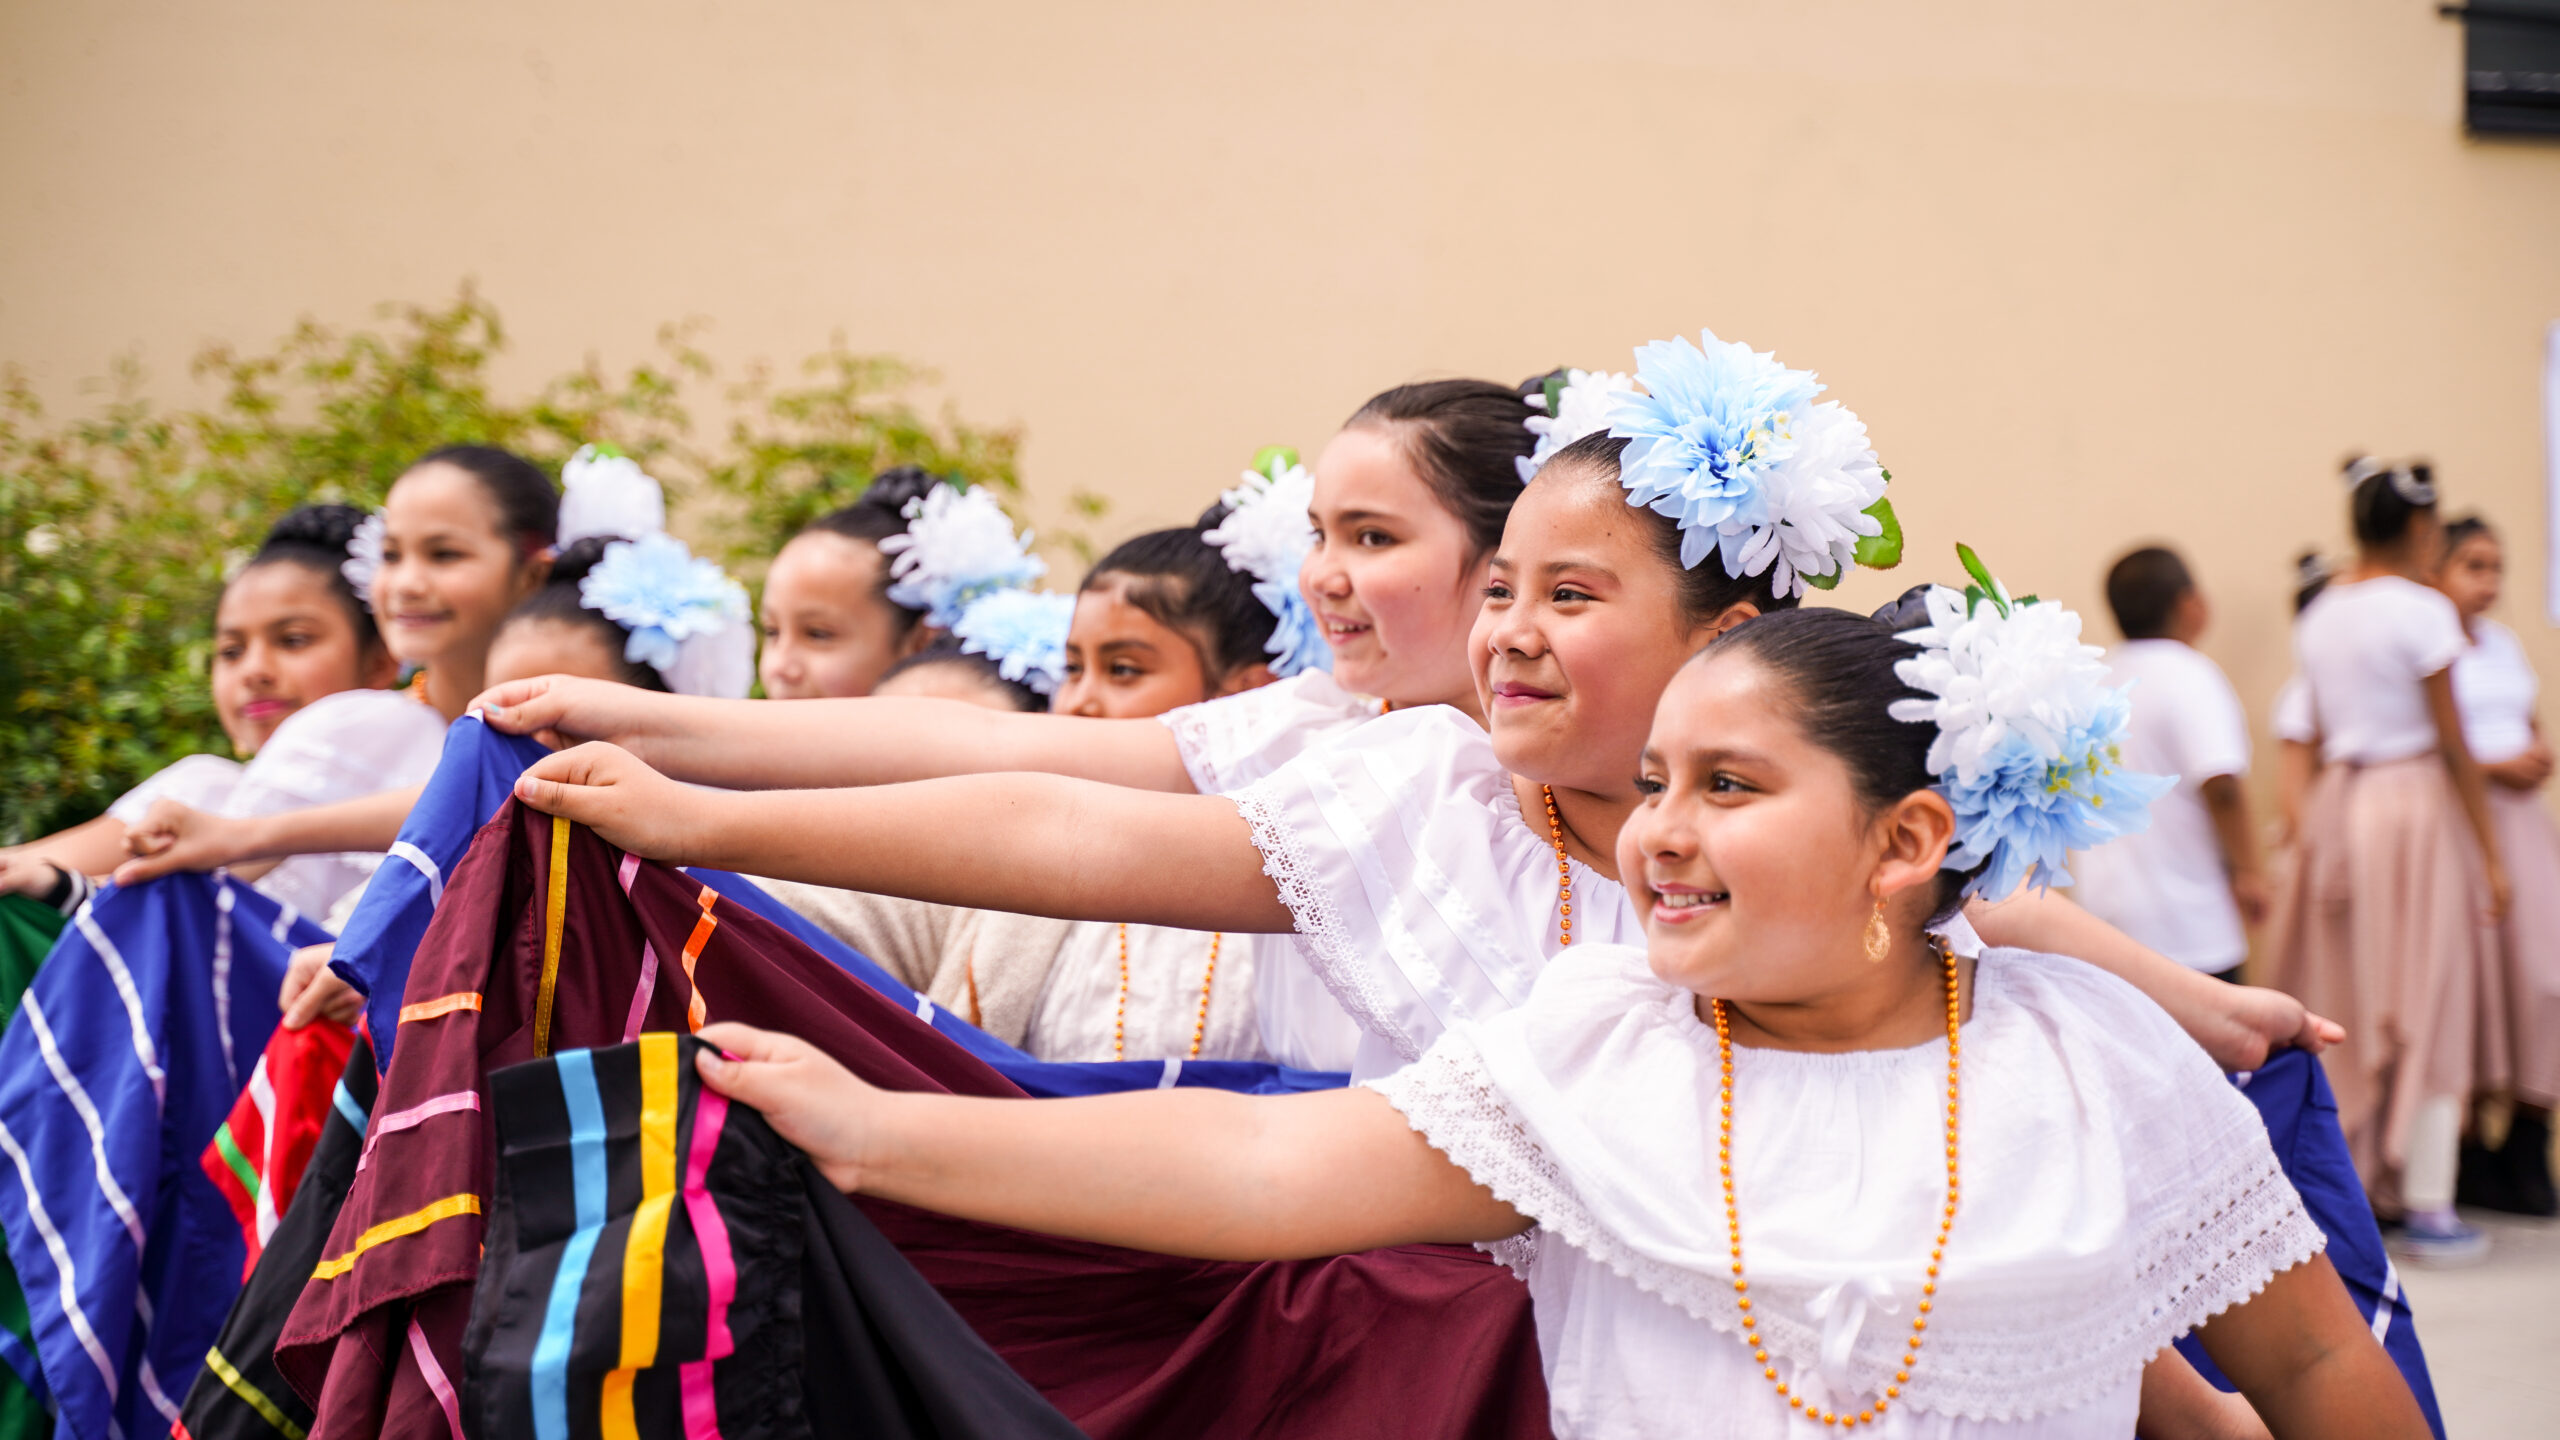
1907, 611
324, 526
890, 490
576, 558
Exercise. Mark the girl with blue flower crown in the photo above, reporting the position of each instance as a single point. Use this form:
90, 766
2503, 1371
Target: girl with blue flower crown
1354, 842
1791, 1164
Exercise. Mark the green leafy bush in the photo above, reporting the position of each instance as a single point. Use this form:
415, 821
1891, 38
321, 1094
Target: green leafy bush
116, 527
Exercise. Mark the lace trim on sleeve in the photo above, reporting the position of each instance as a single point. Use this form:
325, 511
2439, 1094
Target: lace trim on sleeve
1191, 726
1449, 1100
1322, 937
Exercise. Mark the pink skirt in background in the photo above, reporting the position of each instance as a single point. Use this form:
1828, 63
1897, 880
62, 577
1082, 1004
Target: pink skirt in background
2382, 923
2530, 941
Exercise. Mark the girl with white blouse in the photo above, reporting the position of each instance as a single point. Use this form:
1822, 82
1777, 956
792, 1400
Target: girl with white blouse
298, 679
1429, 868
2387, 917
2496, 690
1383, 577
1791, 1166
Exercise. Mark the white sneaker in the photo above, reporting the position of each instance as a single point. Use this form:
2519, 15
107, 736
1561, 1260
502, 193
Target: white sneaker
2439, 1246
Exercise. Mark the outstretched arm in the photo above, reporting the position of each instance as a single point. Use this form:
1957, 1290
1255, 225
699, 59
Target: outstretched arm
2238, 1025
1030, 844
761, 745
1201, 1173
2309, 1363
177, 837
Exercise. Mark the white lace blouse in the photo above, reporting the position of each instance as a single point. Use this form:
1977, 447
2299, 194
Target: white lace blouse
1231, 742
338, 747
1420, 894
2117, 1192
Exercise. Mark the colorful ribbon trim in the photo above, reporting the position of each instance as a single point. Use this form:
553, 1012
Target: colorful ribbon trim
441, 1005
413, 1117
409, 1224
555, 913
696, 1014
587, 1180
644, 1254
251, 1396
719, 1269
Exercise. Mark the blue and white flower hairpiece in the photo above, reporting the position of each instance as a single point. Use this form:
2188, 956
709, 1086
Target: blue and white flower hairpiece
1573, 405
364, 558
1023, 631
2029, 734
958, 545
1267, 535
1731, 446
605, 492
687, 618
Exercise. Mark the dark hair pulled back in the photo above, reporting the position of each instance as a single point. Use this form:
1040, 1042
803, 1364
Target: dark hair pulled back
2379, 511
947, 652
1183, 583
1706, 591
528, 503
879, 514
1839, 666
2468, 528
557, 602
315, 537
1462, 435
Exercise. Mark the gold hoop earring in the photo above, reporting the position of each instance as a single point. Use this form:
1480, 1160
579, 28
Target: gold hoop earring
1879, 934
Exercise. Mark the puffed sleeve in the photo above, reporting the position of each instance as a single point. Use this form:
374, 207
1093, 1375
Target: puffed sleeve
1400, 853
1234, 740
338, 747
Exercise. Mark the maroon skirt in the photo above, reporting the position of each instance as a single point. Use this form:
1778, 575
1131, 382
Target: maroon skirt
527, 957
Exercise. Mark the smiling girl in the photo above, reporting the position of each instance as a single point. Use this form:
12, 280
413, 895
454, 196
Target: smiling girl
463, 535
830, 628
1161, 621
1792, 1166
297, 677
1429, 868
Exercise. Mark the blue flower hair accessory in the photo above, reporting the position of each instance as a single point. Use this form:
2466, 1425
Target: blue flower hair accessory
687, 618
364, 557
1023, 631
1267, 535
1572, 405
1730, 445
2029, 734
959, 545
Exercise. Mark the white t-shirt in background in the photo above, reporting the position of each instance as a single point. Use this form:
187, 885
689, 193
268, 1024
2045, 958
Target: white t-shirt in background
2167, 886
2363, 650
2495, 688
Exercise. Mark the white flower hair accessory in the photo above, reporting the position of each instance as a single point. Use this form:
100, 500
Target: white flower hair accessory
2414, 483
2028, 750
687, 618
1572, 405
605, 492
1266, 534
1023, 631
1730, 445
364, 557
959, 545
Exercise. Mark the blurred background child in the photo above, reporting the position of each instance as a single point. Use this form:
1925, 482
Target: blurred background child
2387, 918
2190, 885
2496, 689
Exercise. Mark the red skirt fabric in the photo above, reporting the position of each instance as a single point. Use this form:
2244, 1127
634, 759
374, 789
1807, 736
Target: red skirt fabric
526, 958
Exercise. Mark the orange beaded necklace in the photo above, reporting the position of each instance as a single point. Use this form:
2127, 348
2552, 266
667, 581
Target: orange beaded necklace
1120, 1007
1564, 869
1733, 1221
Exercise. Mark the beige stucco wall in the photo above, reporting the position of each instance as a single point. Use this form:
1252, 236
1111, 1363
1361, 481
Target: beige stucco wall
2093, 274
